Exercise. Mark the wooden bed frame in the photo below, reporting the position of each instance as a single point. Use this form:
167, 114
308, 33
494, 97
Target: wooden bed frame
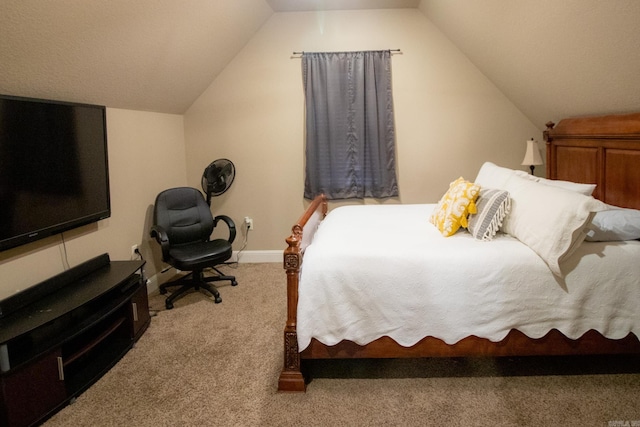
604, 150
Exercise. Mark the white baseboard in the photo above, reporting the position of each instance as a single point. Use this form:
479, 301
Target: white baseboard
152, 284
245, 257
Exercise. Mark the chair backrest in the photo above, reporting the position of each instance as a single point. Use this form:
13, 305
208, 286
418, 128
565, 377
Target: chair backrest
185, 216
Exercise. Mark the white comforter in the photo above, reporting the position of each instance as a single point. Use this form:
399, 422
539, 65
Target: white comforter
384, 270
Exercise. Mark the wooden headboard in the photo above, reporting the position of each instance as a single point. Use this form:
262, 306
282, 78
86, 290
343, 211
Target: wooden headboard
602, 150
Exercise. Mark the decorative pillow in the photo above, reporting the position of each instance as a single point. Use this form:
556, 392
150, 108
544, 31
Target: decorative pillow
586, 189
615, 224
550, 220
493, 206
455, 206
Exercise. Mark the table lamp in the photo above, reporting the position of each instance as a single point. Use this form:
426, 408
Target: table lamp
532, 156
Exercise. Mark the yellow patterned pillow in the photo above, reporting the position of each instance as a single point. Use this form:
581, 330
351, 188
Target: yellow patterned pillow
455, 206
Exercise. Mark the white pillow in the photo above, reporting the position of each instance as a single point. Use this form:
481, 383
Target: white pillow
586, 189
614, 224
550, 220
492, 176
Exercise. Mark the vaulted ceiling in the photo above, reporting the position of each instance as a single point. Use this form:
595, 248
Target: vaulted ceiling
553, 59
550, 58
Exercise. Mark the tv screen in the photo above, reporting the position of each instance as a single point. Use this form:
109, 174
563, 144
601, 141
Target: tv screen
53, 168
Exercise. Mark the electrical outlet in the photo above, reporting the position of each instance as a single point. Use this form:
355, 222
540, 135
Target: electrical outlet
249, 222
134, 249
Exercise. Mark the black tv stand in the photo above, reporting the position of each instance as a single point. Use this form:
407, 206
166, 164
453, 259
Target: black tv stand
62, 335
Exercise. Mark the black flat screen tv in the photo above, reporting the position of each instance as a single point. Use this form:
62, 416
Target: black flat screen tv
54, 174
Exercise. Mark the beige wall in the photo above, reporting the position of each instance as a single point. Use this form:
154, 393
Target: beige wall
449, 117
146, 155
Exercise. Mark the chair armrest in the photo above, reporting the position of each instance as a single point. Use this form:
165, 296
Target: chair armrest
158, 233
230, 224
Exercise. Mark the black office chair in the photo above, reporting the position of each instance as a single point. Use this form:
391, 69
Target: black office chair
183, 224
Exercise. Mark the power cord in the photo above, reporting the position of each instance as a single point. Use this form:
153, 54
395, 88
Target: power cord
234, 264
64, 254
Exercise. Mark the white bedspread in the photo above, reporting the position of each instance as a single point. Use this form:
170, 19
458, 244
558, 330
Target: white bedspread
383, 270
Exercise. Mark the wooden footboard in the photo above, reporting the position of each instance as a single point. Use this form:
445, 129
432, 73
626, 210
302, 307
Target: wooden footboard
302, 232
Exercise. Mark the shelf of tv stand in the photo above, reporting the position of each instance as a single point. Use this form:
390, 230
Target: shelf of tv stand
54, 347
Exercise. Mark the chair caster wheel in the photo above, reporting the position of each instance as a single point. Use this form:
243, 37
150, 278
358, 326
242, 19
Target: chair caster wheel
169, 305
163, 291
218, 300
234, 283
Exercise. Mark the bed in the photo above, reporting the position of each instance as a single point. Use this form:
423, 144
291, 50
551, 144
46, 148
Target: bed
603, 150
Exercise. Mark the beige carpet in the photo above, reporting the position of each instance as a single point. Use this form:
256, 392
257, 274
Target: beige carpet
206, 364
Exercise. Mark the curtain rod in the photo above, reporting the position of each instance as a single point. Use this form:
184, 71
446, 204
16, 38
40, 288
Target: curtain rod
303, 52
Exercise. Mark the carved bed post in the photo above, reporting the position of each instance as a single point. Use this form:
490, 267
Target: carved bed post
291, 378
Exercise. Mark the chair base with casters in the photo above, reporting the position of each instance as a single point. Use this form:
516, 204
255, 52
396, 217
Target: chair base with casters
195, 280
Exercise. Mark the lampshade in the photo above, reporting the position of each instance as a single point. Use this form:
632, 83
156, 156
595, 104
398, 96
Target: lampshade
532, 155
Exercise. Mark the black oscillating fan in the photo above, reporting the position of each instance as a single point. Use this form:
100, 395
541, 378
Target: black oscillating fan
217, 178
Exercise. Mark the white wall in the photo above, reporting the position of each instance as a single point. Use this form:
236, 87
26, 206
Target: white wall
146, 155
449, 117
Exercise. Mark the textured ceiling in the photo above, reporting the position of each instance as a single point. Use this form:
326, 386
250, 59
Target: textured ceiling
551, 58
154, 55
310, 5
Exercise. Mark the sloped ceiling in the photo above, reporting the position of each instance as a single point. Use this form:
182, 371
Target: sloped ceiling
552, 58
151, 55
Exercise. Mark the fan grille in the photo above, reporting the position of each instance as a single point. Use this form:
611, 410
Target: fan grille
218, 177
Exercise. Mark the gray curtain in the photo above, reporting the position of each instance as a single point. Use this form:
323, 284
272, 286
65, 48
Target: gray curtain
350, 133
